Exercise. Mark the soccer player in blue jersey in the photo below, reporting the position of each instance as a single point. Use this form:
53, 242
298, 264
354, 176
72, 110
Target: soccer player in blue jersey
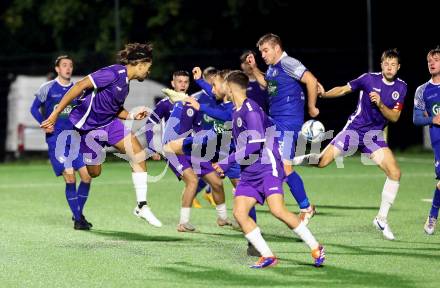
427, 112
184, 121
101, 96
261, 173
162, 111
46, 99
283, 81
381, 97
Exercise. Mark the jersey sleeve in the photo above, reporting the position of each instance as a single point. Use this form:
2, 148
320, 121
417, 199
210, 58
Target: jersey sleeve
358, 83
398, 103
293, 67
43, 91
103, 77
419, 102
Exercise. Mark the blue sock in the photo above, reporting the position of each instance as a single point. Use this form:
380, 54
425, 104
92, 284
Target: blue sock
83, 193
253, 214
296, 186
435, 204
200, 186
72, 200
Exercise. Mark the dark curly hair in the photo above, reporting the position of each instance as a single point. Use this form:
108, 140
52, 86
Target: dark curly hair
135, 53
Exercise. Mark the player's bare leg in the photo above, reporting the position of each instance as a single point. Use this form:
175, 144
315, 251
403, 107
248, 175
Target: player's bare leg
133, 149
242, 205
190, 179
218, 193
386, 161
279, 210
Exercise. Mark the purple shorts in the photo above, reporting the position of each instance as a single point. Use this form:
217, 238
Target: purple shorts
260, 188
93, 142
348, 141
180, 163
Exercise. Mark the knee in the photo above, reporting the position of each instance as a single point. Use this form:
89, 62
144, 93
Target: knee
239, 214
70, 178
394, 173
217, 186
277, 212
86, 179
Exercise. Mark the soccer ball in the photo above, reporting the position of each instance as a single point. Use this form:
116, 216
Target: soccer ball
313, 131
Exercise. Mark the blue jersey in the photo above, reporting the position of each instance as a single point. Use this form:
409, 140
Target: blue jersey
50, 95
286, 95
427, 99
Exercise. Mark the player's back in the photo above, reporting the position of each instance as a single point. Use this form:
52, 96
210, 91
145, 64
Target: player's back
251, 125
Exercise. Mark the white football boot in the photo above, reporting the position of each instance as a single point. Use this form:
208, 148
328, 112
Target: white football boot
145, 213
382, 225
174, 95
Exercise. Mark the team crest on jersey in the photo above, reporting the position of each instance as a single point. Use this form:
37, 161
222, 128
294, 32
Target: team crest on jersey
395, 95
190, 112
239, 122
436, 109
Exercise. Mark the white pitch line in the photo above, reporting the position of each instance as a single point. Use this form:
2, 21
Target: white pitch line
427, 200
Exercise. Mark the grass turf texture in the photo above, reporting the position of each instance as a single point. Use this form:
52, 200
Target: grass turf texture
39, 248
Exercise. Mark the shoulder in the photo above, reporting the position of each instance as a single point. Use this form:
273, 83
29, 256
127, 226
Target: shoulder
45, 87
288, 61
401, 82
421, 89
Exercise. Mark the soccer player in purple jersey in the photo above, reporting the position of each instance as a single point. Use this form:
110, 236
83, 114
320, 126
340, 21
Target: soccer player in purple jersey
283, 80
101, 97
46, 99
261, 173
254, 91
426, 112
381, 100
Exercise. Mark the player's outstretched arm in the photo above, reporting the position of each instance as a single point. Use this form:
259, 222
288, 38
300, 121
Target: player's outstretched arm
73, 93
312, 92
336, 92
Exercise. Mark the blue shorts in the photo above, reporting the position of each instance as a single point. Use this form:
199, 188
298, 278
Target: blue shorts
62, 162
288, 136
233, 172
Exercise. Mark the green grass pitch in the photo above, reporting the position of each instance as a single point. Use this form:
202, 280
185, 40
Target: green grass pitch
39, 248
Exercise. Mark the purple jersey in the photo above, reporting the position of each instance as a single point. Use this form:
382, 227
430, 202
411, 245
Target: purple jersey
367, 115
257, 94
100, 106
250, 125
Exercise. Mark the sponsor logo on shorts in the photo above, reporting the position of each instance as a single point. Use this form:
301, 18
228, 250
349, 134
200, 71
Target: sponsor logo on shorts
273, 188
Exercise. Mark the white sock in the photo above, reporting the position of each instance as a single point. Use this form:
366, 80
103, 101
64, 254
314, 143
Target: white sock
221, 211
140, 185
306, 160
185, 212
259, 243
389, 193
304, 233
